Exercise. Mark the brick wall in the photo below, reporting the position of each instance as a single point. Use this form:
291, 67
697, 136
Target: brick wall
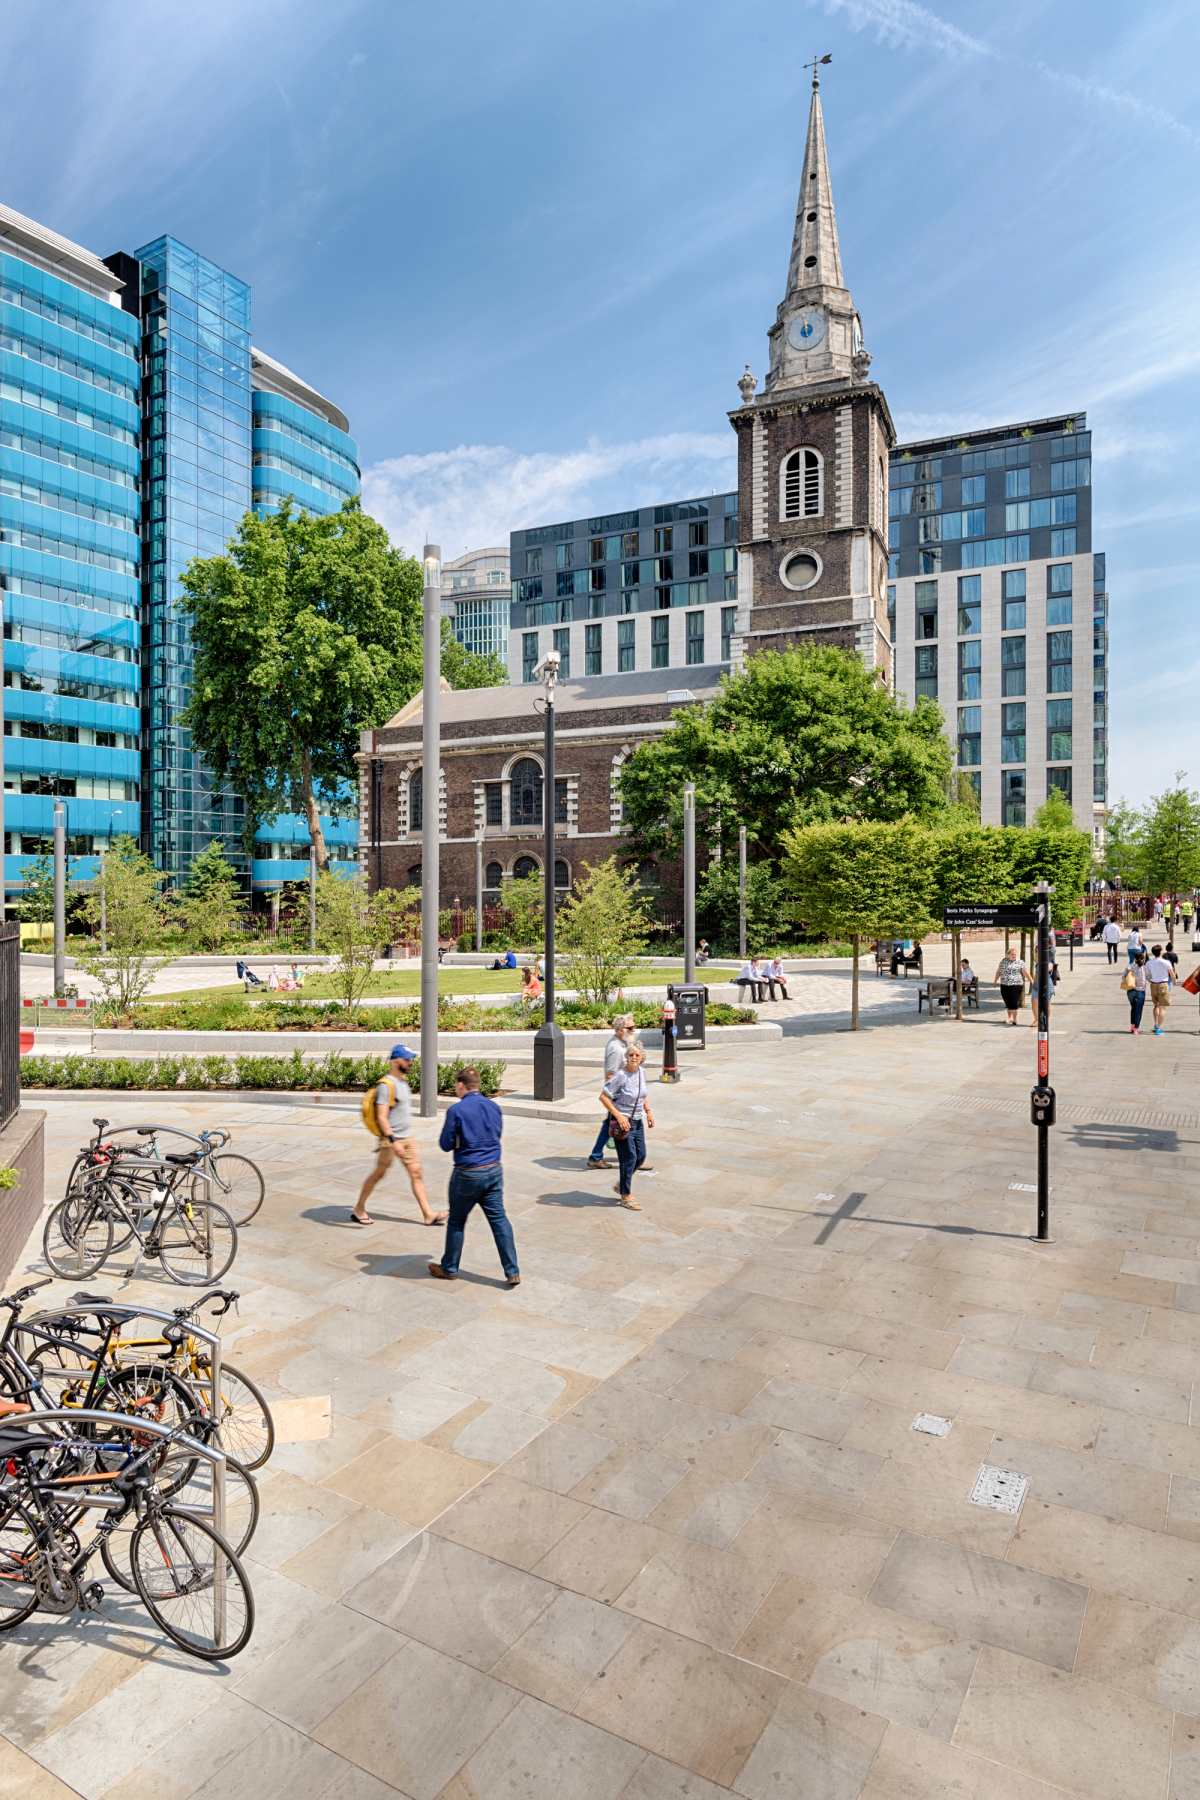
22, 1148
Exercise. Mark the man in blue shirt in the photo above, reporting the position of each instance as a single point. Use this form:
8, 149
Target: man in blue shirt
472, 1129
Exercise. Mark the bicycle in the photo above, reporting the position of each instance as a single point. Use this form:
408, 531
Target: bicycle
236, 1181
194, 1240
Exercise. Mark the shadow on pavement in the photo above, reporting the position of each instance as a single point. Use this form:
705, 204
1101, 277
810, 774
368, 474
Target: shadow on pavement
848, 1212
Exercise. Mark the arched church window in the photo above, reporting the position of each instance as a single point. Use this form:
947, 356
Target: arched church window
525, 865
525, 792
802, 485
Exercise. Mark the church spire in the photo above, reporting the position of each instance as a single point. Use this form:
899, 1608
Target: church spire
816, 255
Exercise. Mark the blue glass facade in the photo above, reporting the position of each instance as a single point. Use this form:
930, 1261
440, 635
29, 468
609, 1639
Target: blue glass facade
137, 427
69, 550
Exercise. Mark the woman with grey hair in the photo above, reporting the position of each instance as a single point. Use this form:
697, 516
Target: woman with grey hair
623, 1032
625, 1099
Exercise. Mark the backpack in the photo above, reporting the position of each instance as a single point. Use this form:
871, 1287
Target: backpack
370, 1116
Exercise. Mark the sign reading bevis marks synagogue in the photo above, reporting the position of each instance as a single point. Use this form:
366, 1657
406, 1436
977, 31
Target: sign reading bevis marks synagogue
965, 918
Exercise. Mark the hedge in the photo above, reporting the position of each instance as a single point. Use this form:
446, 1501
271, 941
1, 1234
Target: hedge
235, 1014
332, 1074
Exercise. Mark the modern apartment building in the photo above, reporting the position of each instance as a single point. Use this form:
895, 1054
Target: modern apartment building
652, 588
476, 600
999, 610
137, 426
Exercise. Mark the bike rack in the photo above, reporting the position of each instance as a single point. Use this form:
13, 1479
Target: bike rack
147, 1165
72, 1415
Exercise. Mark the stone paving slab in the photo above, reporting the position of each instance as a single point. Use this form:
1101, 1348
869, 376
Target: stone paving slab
656, 1525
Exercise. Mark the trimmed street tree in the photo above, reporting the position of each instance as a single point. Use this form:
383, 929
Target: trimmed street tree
356, 927
862, 878
602, 928
796, 737
1170, 842
131, 887
36, 905
1063, 858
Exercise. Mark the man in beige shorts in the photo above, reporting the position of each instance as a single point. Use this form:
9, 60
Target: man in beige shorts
1160, 975
393, 1116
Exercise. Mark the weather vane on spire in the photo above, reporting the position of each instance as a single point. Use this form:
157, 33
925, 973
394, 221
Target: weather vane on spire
815, 65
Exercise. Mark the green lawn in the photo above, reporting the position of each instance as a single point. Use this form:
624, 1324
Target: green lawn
406, 983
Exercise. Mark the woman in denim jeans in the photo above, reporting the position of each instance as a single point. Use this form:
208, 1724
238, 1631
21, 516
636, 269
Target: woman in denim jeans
623, 1096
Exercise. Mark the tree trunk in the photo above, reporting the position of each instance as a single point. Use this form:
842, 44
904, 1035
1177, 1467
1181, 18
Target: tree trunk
956, 964
855, 942
312, 812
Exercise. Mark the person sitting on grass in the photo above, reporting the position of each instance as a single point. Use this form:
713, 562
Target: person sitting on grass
507, 961
531, 987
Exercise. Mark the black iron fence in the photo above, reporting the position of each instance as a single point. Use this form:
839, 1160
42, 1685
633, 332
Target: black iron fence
10, 1020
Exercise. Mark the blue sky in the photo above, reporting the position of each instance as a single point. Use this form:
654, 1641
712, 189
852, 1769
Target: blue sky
529, 247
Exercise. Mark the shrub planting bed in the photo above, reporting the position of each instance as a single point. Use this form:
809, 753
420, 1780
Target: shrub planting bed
332, 1074
238, 1014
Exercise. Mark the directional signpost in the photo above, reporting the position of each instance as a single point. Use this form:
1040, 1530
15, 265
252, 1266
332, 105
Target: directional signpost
969, 918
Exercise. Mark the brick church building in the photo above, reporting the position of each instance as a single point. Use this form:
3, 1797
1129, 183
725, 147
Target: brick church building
813, 451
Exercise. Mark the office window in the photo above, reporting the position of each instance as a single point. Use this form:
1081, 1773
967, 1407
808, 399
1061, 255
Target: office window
592, 653
1012, 732
562, 643
529, 654
664, 537
1012, 665
695, 637
801, 485
1016, 484
1012, 796
660, 638
728, 625
1062, 541
973, 490
525, 793
493, 811
697, 534
969, 740
1058, 662
969, 604
926, 672
625, 650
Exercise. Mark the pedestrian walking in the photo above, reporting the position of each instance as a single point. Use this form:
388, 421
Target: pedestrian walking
1112, 939
1186, 910
1171, 955
1011, 976
387, 1115
1160, 975
1134, 984
1136, 941
471, 1132
623, 1029
625, 1100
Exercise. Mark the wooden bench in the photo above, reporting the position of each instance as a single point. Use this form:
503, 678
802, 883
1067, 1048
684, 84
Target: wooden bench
938, 991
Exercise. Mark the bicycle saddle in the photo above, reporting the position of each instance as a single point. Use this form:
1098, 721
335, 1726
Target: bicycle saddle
184, 1159
16, 1443
92, 1299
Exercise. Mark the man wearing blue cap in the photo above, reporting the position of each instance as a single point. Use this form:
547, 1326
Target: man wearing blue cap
389, 1120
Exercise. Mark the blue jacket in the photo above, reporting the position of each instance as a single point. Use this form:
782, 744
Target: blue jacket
472, 1129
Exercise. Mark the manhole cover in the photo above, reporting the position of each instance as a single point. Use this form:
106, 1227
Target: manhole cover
1004, 1490
932, 1423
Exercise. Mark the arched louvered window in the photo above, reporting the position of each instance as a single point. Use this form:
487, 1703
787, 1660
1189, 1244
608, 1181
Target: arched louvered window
802, 485
525, 792
416, 801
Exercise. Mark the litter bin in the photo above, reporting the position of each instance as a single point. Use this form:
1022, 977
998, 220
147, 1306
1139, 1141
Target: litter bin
690, 1000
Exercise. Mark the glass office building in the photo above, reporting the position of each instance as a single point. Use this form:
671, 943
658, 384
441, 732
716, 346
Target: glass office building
1000, 614
476, 599
137, 426
652, 588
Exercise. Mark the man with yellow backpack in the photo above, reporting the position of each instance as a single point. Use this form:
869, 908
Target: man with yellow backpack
387, 1115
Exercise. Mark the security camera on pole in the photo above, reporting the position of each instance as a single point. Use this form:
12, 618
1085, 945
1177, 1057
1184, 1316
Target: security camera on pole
549, 1047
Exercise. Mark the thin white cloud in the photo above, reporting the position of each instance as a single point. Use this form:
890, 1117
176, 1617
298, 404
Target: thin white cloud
475, 494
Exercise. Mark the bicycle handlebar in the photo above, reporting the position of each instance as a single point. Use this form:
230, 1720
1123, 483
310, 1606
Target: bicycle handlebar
227, 1295
25, 1293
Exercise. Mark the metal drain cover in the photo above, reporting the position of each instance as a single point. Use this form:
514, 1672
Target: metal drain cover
932, 1423
1004, 1490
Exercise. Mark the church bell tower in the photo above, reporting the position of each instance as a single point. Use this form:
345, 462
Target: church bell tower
813, 451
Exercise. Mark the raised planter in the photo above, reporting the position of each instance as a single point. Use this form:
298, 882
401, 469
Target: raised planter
362, 1043
21, 1148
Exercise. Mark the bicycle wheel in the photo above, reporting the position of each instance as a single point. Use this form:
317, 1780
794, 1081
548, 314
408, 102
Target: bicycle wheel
20, 1558
192, 1584
244, 1426
78, 1237
197, 1242
186, 1482
236, 1184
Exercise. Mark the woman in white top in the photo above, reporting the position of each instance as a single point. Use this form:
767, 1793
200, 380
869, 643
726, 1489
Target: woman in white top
624, 1098
1011, 976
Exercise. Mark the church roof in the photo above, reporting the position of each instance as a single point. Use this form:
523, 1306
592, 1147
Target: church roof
816, 254
595, 693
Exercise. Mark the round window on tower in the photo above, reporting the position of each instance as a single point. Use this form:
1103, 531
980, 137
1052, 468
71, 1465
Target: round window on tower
800, 569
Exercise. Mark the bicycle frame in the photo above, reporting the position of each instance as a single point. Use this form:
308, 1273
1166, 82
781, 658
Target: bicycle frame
168, 1176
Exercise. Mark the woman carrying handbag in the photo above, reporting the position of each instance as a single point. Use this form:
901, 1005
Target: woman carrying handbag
623, 1097
1133, 983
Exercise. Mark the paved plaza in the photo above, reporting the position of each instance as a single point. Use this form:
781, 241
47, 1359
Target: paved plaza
657, 1524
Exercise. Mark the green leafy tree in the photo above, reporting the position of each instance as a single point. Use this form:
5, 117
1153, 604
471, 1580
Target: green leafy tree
523, 897
1124, 845
305, 631
464, 668
37, 894
1063, 858
797, 737
356, 926
601, 929
1055, 814
1171, 842
864, 878
973, 865
131, 884
211, 903
717, 903
964, 796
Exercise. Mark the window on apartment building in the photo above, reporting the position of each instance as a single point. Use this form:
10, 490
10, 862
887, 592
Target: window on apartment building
1058, 662
660, 641
970, 660
925, 669
728, 626
970, 727
1062, 542
596, 550
1012, 796
1058, 594
1058, 730
697, 534
529, 654
1060, 779
926, 596
1016, 484
802, 485
592, 651
974, 489
929, 562
625, 645
695, 637
599, 579
562, 643
564, 556
1012, 732
697, 564
969, 604
1012, 665
664, 539
629, 543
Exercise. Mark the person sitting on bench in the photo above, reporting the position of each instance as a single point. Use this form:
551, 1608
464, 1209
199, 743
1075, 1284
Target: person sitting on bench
967, 976
773, 970
750, 975
906, 955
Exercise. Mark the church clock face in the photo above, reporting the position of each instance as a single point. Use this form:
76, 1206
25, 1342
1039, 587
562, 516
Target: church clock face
807, 330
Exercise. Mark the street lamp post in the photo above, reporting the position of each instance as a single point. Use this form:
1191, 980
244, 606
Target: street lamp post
312, 898
742, 892
549, 1048
689, 881
431, 758
60, 897
479, 891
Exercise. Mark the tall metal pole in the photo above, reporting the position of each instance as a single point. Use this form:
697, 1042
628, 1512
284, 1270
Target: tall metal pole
479, 891
3, 833
430, 884
549, 1047
1043, 1093
312, 898
742, 891
60, 897
103, 901
689, 881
